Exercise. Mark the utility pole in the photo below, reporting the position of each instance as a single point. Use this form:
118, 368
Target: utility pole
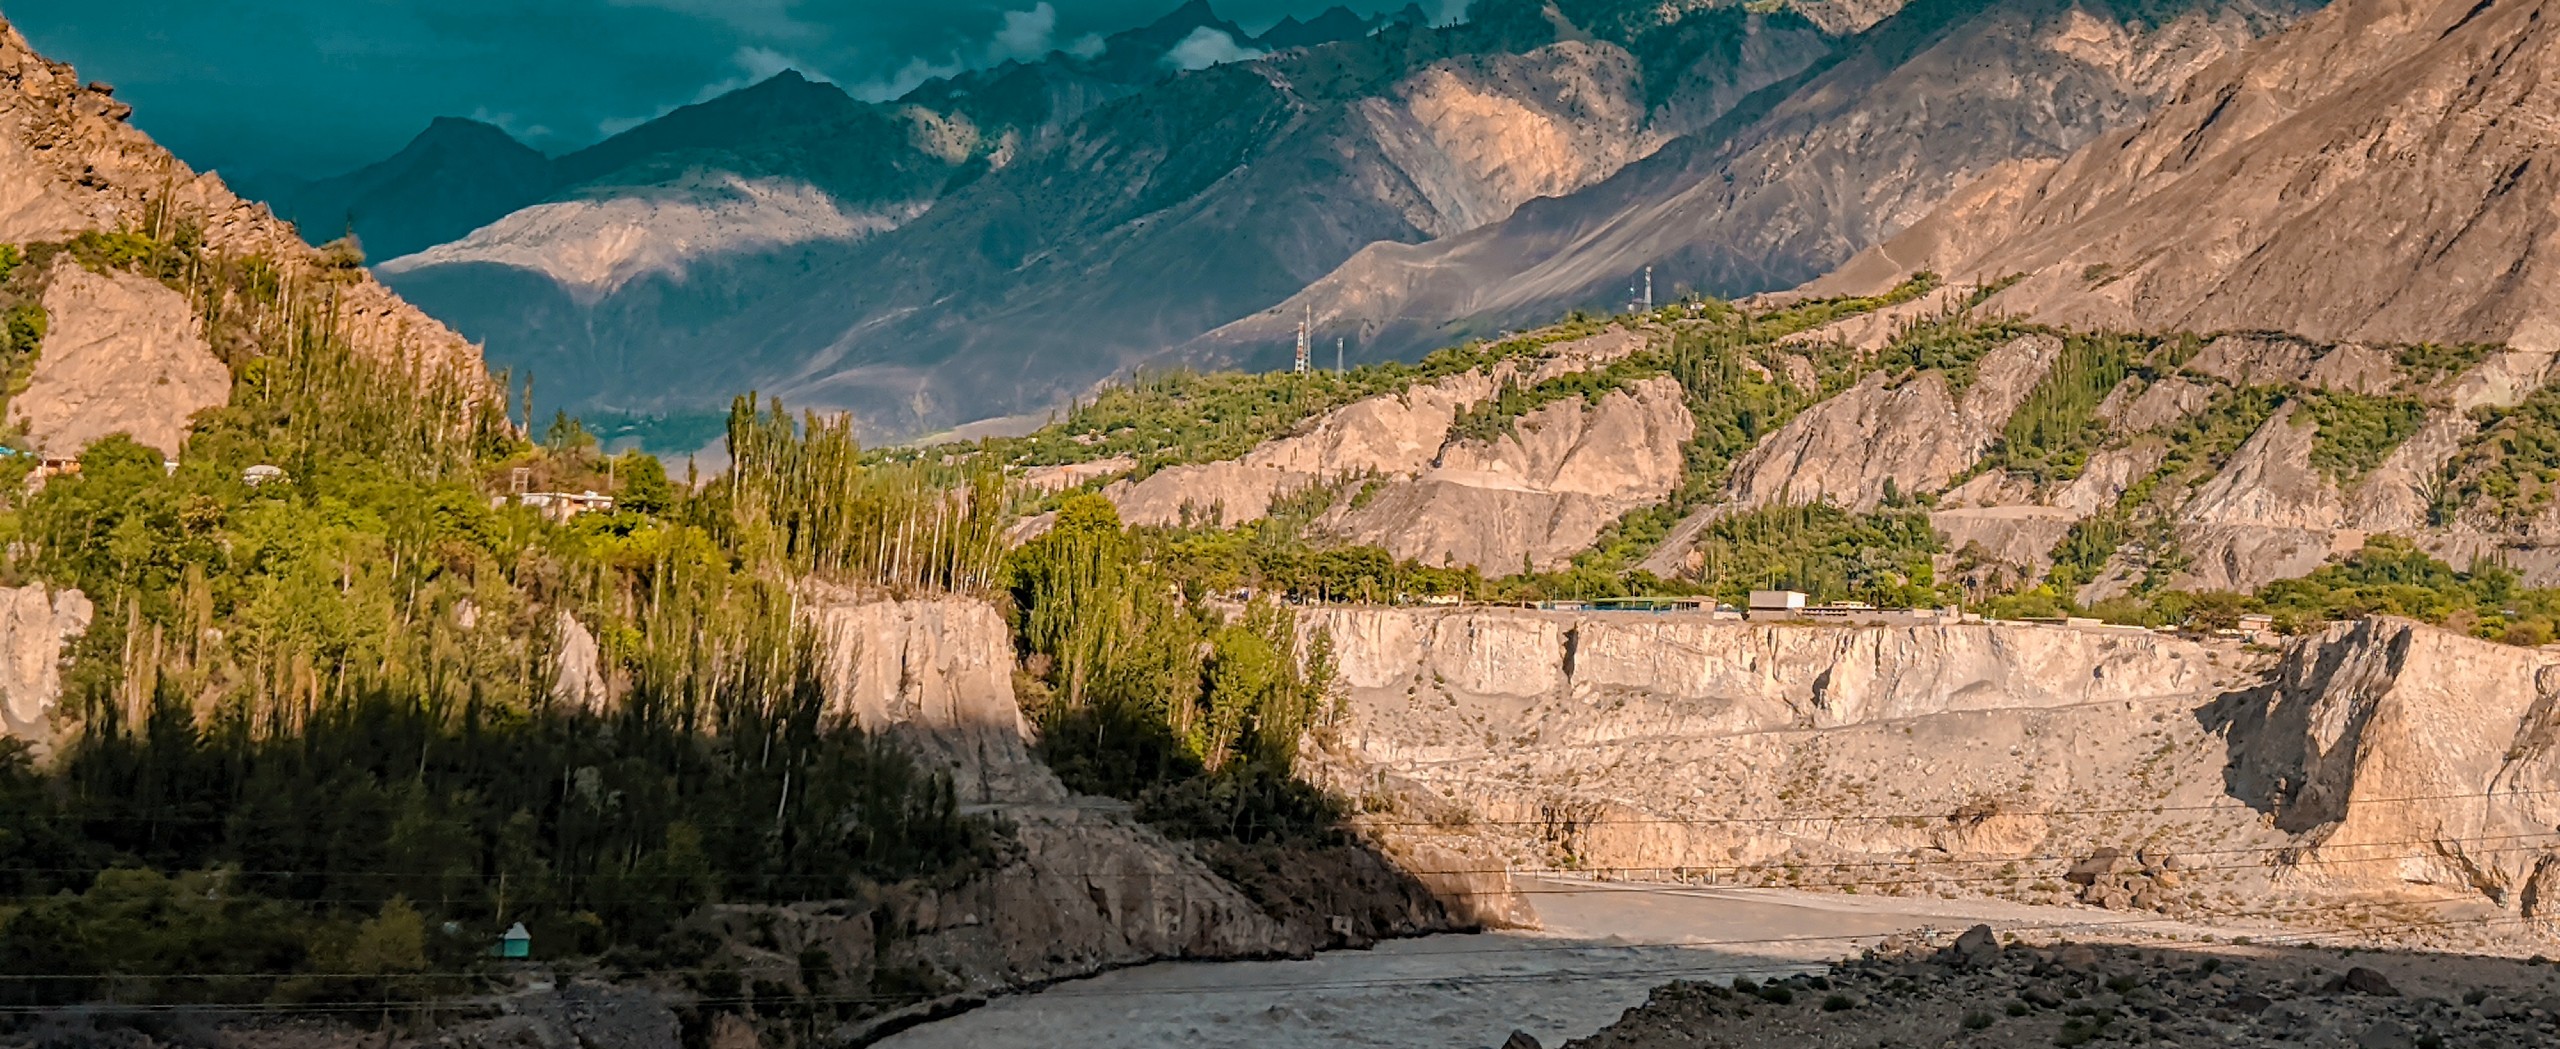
1648, 289
1306, 331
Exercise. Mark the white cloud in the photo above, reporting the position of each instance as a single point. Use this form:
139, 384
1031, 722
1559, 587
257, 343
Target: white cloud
1025, 34
1207, 47
508, 123
761, 63
755, 65
907, 78
1089, 45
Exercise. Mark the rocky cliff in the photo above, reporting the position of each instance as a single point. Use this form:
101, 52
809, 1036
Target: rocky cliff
69, 163
1081, 886
2408, 759
1406, 480
2381, 759
1914, 436
37, 627
1535, 496
2374, 174
122, 353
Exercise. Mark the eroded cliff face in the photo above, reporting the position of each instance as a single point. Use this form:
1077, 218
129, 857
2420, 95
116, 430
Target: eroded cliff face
1535, 495
2406, 758
122, 354
1914, 437
1538, 495
1081, 885
938, 676
36, 627
2383, 759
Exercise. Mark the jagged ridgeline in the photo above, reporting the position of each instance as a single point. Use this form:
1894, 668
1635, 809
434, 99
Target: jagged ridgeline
328, 735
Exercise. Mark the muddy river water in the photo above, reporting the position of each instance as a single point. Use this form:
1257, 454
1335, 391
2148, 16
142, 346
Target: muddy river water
1603, 948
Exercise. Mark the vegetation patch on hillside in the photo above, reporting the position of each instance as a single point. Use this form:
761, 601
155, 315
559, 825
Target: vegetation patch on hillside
1500, 415
1952, 344
2357, 431
2391, 575
1884, 558
1181, 416
2506, 472
2049, 438
2428, 363
1159, 698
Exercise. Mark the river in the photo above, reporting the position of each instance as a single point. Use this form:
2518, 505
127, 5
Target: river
1603, 948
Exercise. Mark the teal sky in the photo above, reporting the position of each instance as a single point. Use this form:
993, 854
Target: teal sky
313, 87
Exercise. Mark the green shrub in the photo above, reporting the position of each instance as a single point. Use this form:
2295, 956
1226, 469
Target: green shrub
2050, 436
1497, 416
2428, 363
2357, 431
1883, 558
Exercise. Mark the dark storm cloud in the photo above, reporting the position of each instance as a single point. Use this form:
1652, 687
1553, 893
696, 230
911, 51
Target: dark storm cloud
315, 86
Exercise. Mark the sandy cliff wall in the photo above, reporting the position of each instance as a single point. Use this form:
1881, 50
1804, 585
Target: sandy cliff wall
2382, 759
36, 627
2409, 758
1421, 682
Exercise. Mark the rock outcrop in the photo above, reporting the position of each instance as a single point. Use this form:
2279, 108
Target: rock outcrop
122, 354
69, 163
1396, 434
1535, 495
1913, 437
1538, 495
1899, 436
578, 666
938, 676
37, 627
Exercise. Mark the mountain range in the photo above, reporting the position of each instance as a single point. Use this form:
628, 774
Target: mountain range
995, 243
999, 240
